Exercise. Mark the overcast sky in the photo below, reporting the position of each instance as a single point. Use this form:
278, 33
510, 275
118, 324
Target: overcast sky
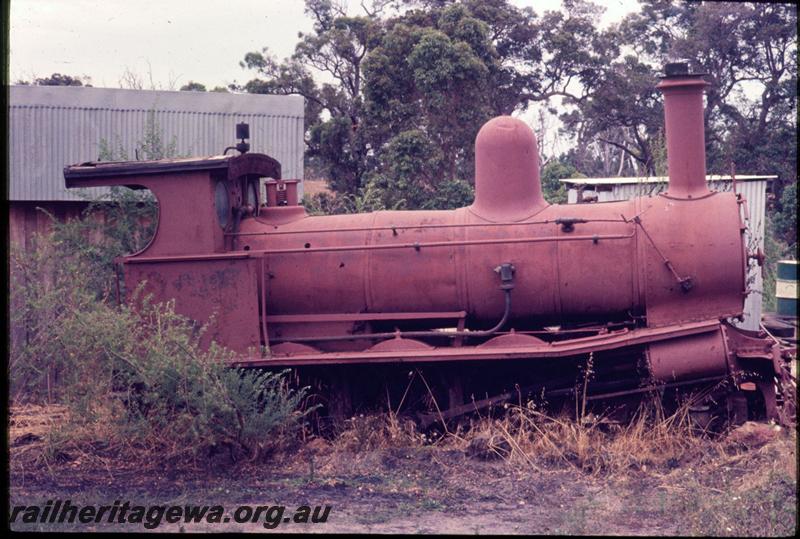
176, 41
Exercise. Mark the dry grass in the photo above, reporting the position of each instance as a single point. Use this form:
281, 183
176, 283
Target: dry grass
592, 444
529, 437
378, 431
656, 471
521, 436
739, 484
742, 491
50, 437
34, 420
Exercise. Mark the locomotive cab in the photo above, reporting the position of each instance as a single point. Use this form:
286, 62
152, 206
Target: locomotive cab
191, 257
201, 201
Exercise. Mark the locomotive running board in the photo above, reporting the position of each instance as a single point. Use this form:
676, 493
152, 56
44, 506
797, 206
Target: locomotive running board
609, 341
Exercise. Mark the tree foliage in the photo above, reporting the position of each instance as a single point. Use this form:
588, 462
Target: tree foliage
554, 191
749, 54
741, 47
412, 80
153, 144
57, 79
193, 86
395, 95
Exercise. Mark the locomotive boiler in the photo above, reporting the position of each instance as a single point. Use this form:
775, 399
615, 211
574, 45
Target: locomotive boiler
509, 295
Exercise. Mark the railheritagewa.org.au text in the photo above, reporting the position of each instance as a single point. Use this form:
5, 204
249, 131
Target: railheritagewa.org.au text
54, 512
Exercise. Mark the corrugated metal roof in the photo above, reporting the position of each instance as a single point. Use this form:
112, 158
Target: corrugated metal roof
659, 179
54, 126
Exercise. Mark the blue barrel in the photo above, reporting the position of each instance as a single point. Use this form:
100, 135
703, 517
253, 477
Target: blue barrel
786, 288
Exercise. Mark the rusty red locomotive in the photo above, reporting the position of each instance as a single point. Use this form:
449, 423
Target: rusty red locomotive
508, 294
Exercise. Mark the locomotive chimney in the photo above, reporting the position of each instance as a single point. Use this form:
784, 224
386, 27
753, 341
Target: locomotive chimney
683, 121
507, 185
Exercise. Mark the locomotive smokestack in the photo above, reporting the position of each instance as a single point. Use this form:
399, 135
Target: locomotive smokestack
685, 131
507, 185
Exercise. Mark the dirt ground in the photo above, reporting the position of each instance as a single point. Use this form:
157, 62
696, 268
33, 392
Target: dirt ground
751, 490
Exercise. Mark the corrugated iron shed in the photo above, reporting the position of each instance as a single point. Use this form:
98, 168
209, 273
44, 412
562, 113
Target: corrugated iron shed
54, 126
622, 180
752, 187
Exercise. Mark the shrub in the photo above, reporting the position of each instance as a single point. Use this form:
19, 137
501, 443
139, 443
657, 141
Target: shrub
179, 399
138, 376
786, 218
119, 223
774, 250
368, 199
65, 283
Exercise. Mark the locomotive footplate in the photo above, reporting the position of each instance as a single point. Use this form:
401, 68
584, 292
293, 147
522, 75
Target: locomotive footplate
401, 350
708, 354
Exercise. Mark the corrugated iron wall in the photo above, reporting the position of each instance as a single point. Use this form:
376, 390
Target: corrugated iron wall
754, 191
54, 126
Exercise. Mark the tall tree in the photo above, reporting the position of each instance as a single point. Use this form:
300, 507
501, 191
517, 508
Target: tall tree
412, 79
618, 124
408, 83
749, 54
335, 48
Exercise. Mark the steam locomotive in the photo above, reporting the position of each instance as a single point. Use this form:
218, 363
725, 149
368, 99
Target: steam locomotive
508, 296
